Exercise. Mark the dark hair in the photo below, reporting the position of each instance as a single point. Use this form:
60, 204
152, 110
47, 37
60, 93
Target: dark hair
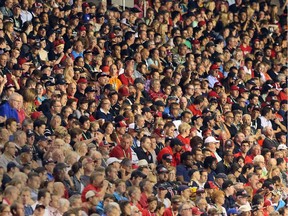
42, 193
247, 167
9, 121
184, 156
195, 141
75, 168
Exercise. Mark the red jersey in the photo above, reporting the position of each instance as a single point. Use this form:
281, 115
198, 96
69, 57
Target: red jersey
168, 150
121, 153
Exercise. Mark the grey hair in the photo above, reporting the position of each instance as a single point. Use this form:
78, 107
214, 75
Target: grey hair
111, 206
63, 201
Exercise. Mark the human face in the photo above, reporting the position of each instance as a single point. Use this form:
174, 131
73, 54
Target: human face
6, 211
126, 143
245, 147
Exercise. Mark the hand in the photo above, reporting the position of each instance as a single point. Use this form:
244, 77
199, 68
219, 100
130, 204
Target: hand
105, 184
3, 119
13, 77
277, 121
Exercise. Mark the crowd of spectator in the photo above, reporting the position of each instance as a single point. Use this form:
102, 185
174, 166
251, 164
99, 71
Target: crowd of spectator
164, 109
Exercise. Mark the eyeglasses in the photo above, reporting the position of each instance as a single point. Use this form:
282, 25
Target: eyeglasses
187, 209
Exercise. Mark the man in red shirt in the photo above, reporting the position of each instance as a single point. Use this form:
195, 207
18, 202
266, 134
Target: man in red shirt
174, 149
97, 183
123, 150
175, 203
197, 106
243, 152
126, 78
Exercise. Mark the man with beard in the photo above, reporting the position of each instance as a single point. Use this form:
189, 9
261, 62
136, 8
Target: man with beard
97, 183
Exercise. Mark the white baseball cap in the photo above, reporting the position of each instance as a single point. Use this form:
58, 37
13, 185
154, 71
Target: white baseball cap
245, 208
112, 160
282, 147
90, 193
211, 139
142, 162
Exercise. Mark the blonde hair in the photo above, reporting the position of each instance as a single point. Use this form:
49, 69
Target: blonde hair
61, 132
184, 127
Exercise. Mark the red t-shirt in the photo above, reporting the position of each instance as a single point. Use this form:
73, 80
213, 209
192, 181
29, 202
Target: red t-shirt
121, 153
186, 142
126, 80
194, 110
247, 158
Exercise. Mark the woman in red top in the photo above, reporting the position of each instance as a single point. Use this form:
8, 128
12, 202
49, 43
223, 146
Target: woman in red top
184, 130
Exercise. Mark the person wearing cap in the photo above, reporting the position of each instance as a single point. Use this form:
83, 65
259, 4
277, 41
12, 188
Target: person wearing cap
92, 200
241, 198
211, 143
175, 203
214, 76
25, 157
185, 192
11, 170
81, 86
174, 149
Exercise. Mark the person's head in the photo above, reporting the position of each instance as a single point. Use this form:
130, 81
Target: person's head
187, 159
97, 177
17, 209
33, 180
44, 197
218, 197
245, 146
185, 209
5, 210
10, 148
11, 193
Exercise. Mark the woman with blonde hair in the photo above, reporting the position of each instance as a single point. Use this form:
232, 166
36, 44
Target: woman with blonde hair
218, 198
163, 31
184, 131
155, 25
274, 171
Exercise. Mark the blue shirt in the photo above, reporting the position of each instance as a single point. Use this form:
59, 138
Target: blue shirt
8, 111
182, 170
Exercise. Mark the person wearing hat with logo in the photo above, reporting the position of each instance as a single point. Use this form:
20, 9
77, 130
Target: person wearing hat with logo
174, 149
241, 198
211, 143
